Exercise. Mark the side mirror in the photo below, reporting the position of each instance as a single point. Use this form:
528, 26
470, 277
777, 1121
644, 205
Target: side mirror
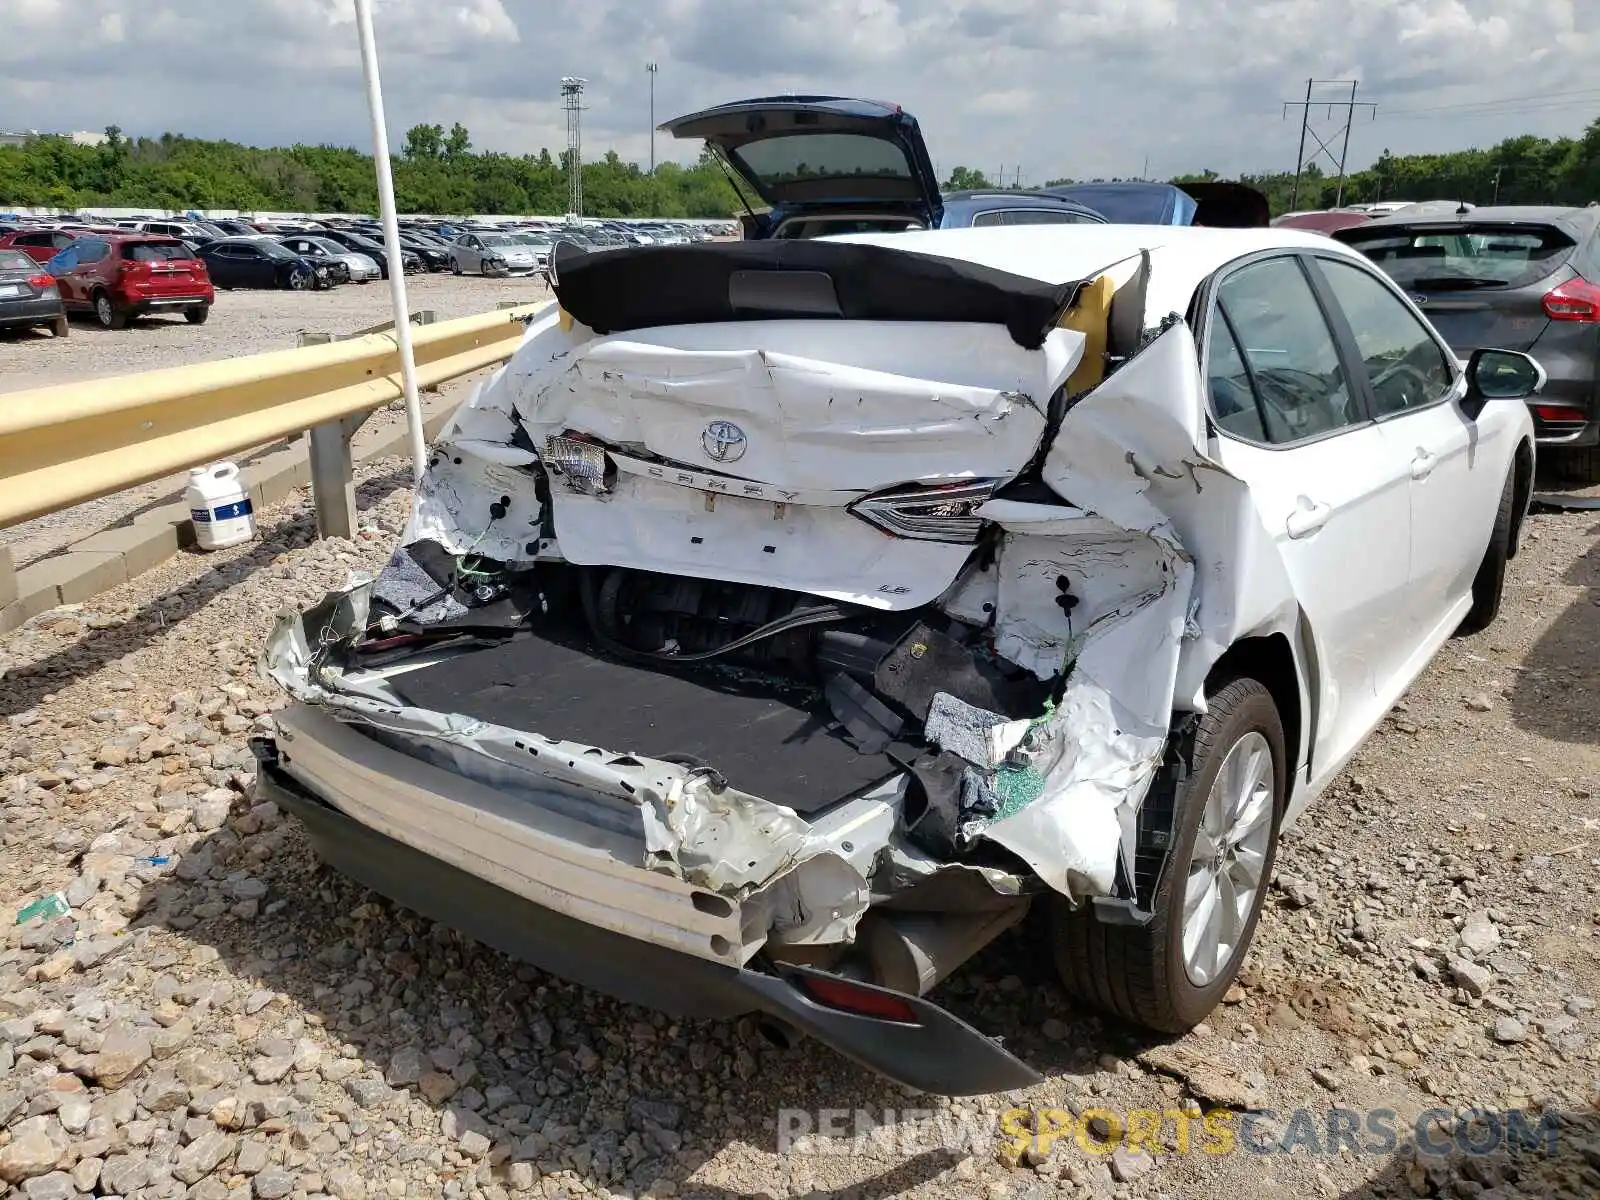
1500, 375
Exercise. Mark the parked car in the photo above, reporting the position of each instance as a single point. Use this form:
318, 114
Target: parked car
893, 678
830, 165
410, 259
1218, 203
1328, 221
28, 295
1525, 278
119, 277
346, 266
41, 245
434, 255
261, 262
492, 254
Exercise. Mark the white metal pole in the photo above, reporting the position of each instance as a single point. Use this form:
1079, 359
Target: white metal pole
391, 238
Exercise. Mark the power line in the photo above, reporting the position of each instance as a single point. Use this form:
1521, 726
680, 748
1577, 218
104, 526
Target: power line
1575, 96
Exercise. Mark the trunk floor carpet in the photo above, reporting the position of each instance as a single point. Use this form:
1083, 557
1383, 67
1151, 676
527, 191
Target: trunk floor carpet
766, 739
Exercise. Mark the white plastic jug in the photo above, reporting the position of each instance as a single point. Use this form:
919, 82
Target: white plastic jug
219, 503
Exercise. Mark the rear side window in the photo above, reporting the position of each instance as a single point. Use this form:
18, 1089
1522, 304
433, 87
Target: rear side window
1407, 368
156, 251
92, 250
1464, 257
1287, 353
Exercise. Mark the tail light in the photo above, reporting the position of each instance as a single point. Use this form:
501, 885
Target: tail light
944, 513
849, 996
1574, 300
581, 464
1560, 413
42, 281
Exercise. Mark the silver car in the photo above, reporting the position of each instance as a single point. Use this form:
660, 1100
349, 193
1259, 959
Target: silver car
363, 268
492, 254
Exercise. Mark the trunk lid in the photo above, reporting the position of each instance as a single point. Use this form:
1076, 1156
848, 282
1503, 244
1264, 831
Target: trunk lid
18, 282
1481, 283
165, 268
819, 153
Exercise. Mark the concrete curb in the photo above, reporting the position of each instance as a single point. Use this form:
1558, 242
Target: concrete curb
104, 560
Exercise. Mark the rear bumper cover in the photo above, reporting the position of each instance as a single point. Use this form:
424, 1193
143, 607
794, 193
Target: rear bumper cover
940, 1053
40, 311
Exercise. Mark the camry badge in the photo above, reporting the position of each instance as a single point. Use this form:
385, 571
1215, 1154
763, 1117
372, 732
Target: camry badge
723, 442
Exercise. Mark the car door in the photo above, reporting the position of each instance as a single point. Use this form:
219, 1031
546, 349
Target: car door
224, 264
1331, 486
1457, 467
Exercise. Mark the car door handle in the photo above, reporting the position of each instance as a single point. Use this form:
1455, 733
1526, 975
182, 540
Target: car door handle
1307, 518
1422, 465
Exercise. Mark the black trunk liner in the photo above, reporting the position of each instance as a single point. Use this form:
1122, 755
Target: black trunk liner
766, 738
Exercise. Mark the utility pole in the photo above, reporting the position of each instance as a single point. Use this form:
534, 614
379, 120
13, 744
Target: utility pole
1498, 168
572, 101
1323, 150
651, 68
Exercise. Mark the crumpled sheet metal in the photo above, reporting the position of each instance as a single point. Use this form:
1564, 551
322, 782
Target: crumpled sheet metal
1115, 712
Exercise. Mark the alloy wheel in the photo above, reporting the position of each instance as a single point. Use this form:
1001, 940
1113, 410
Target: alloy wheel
1226, 864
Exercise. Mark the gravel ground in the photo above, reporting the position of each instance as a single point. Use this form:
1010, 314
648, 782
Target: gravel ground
242, 322
219, 1017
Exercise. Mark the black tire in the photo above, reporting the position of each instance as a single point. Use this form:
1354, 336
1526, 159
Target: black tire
483, 268
1490, 582
198, 315
106, 312
455, 265
301, 281
1138, 972
1575, 466
60, 328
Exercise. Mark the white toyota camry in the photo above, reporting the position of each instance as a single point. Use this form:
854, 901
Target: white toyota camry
787, 618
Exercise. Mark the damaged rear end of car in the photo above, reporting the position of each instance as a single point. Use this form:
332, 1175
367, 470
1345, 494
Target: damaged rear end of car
779, 626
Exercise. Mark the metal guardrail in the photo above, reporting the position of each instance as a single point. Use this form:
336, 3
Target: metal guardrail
62, 445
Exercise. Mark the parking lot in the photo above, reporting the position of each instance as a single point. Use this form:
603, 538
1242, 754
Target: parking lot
242, 322
333, 1044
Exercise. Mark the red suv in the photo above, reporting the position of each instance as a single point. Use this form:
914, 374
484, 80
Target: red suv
118, 277
41, 245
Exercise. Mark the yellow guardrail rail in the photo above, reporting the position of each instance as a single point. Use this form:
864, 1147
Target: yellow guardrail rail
63, 445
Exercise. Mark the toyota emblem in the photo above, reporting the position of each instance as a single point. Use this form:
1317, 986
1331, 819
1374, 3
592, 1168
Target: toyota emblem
723, 442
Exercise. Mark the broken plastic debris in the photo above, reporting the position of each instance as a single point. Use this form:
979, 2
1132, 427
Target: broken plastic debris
48, 907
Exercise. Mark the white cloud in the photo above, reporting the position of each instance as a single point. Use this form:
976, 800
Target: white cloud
1082, 89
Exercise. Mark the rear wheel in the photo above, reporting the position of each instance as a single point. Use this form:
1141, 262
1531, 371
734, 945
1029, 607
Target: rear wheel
107, 313
1490, 582
455, 266
198, 314
1168, 974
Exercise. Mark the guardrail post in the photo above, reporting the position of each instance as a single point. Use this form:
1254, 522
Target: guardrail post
426, 316
333, 483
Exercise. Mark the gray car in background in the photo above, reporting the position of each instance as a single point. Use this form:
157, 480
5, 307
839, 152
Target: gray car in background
359, 268
477, 253
1520, 278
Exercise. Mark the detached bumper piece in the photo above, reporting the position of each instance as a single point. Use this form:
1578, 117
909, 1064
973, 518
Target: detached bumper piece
903, 1037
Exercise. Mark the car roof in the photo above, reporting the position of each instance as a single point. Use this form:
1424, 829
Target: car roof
1181, 256
988, 198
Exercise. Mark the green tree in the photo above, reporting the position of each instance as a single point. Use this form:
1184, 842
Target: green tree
965, 179
424, 141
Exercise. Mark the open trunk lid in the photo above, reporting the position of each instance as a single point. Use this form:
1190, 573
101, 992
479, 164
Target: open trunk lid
821, 152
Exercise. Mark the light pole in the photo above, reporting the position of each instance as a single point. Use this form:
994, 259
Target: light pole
391, 239
650, 67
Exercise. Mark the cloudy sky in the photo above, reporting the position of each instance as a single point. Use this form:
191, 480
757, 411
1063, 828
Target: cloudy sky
1081, 87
